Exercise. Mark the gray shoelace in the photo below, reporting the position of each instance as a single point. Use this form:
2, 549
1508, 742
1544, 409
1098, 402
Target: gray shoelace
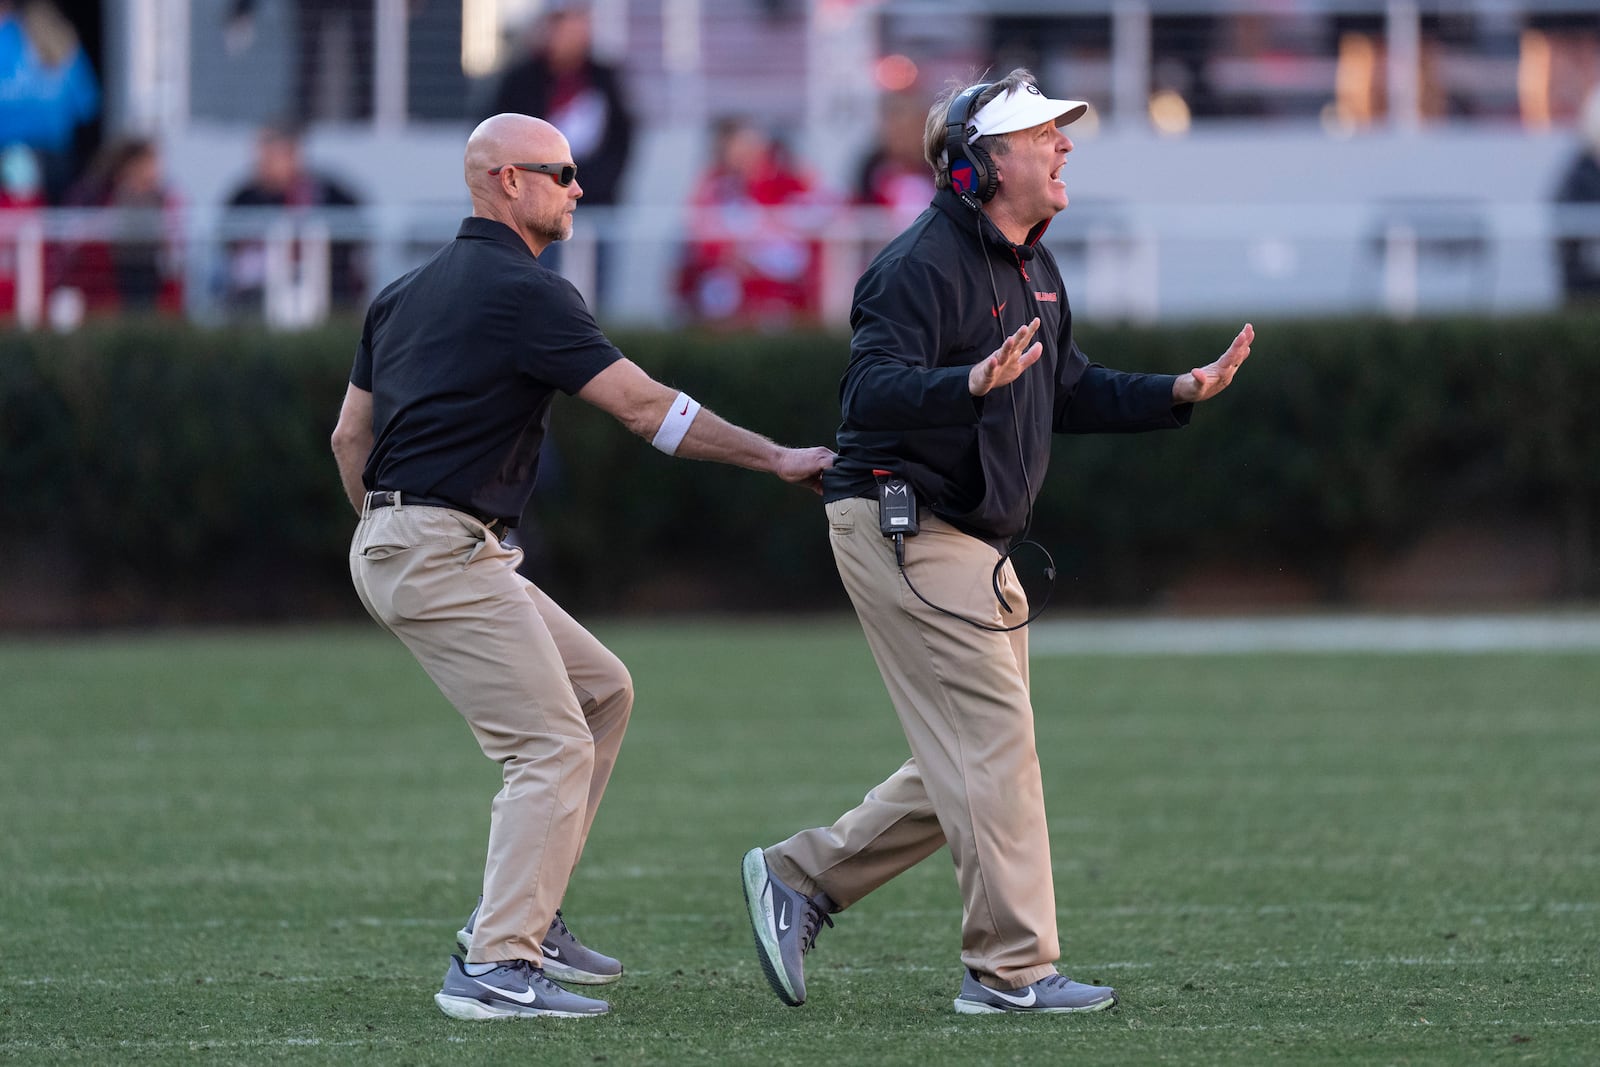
530, 972
812, 924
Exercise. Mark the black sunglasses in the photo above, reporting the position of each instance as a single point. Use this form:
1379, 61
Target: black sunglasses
564, 173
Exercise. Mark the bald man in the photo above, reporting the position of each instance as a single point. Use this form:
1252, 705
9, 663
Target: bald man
437, 444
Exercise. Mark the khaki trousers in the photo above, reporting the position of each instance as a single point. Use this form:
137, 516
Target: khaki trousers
544, 698
973, 778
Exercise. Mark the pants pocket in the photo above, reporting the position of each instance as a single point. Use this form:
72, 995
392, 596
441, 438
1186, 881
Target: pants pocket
842, 516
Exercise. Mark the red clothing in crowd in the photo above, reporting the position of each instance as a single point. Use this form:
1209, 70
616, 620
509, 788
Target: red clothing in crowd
753, 260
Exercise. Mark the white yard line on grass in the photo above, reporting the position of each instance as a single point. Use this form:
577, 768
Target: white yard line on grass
1555, 632
912, 915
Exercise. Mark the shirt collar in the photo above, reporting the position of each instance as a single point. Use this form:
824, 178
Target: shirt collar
947, 201
493, 230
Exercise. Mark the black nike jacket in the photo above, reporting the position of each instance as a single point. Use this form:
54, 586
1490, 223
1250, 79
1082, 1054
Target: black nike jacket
940, 297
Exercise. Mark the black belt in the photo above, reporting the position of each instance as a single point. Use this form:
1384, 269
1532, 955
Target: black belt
388, 498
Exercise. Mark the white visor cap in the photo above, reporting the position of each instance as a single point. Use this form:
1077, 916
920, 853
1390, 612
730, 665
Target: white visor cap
1022, 109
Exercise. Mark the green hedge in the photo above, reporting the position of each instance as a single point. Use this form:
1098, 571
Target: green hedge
156, 472
1338, 436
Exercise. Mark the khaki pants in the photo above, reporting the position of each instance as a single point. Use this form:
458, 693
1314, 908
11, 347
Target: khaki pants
544, 698
973, 778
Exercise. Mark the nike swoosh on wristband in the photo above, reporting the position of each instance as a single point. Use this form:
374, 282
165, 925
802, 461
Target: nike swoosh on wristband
1021, 1002
527, 996
685, 410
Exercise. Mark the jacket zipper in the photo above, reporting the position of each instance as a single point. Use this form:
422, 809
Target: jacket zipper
1027, 288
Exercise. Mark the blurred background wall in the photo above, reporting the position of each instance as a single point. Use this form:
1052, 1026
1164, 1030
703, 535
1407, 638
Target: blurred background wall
1241, 157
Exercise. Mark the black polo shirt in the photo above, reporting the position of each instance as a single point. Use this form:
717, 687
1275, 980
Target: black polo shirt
463, 357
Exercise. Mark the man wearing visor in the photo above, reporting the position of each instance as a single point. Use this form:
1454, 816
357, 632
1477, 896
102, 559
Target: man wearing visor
943, 446
437, 444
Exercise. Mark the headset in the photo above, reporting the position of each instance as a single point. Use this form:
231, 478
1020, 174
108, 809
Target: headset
971, 170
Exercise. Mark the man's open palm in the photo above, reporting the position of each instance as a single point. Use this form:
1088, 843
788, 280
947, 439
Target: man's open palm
1005, 364
1203, 383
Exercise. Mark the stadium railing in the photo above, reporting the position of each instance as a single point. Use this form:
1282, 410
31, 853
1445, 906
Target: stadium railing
293, 268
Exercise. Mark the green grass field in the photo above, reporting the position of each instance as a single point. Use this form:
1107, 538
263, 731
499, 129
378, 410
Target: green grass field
256, 847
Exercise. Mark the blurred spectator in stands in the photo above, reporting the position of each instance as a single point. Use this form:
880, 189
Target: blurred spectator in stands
1580, 257
750, 261
21, 194
560, 80
333, 55
21, 180
894, 175
282, 179
48, 91
134, 265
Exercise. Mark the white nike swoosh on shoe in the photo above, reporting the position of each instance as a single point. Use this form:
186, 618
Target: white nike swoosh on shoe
527, 996
783, 916
1021, 1002
553, 953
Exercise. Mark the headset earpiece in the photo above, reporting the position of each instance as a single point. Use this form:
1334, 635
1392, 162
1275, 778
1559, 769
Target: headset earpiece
971, 170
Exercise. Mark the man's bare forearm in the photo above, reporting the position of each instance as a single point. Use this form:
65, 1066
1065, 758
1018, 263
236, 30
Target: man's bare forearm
351, 460
714, 438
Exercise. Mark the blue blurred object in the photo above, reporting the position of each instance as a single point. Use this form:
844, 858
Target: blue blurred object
42, 103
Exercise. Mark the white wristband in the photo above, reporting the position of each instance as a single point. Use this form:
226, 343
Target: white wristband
680, 416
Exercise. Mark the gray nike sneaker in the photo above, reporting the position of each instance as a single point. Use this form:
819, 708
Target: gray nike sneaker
785, 923
1051, 994
515, 989
566, 959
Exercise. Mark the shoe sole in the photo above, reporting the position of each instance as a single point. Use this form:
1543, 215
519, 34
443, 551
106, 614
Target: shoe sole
558, 972
978, 1007
474, 1010
754, 869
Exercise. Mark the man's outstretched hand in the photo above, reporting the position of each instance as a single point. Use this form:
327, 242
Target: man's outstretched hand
1005, 364
1203, 383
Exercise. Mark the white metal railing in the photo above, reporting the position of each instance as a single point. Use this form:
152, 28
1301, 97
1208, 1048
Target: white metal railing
291, 269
